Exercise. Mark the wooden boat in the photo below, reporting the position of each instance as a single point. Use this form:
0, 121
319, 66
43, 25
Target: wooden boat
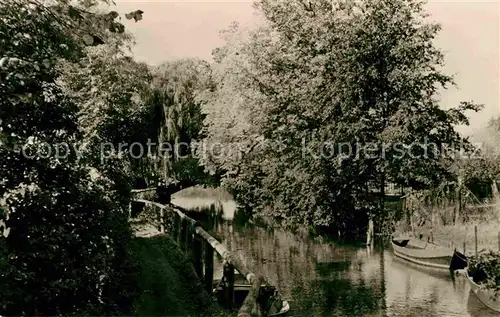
273, 304
428, 254
486, 296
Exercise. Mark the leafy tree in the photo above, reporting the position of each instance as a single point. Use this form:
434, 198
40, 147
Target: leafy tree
481, 166
113, 93
176, 91
65, 232
333, 77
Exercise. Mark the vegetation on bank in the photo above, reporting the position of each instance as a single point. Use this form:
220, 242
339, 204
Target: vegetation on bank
314, 108
65, 239
458, 235
167, 282
211, 193
74, 101
485, 270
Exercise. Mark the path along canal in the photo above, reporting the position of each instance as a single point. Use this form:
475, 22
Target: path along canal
327, 279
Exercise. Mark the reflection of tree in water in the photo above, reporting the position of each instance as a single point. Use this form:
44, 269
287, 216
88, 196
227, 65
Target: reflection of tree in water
319, 279
336, 296
323, 279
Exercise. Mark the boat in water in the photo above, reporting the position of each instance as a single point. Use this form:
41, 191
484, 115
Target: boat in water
270, 302
487, 296
428, 255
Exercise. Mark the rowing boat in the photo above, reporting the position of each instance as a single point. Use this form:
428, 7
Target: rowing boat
486, 296
428, 254
272, 305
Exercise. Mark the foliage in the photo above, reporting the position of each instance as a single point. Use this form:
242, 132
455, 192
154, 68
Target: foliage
485, 270
189, 171
65, 231
113, 94
176, 91
318, 105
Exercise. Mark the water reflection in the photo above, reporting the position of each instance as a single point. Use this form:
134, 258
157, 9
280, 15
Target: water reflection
326, 279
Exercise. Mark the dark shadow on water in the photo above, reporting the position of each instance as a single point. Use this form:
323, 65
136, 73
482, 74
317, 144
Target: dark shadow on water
320, 276
241, 218
208, 216
337, 297
326, 269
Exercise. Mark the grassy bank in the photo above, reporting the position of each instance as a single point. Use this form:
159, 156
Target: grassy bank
169, 286
202, 192
456, 235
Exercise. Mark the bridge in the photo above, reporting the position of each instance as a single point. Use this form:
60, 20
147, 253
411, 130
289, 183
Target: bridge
200, 247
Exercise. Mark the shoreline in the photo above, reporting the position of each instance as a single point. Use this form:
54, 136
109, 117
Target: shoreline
458, 236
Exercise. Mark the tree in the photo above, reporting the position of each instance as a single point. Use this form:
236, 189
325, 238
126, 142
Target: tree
483, 164
344, 83
113, 92
176, 91
65, 232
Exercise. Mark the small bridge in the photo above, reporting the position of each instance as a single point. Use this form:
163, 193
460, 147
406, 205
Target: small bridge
200, 246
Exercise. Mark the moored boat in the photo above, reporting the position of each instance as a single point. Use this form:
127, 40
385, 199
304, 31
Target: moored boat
486, 296
272, 304
428, 254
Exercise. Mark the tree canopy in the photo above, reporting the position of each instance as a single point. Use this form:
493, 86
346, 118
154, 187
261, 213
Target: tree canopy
337, 92
65, 229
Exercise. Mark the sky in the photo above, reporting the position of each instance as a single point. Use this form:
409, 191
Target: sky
470, 39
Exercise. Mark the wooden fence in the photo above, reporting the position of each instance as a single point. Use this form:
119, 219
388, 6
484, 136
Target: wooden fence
200, 247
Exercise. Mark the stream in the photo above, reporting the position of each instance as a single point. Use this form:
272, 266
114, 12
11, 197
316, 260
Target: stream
327, 279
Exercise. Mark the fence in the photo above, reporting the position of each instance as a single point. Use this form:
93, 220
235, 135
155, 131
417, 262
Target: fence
200, 247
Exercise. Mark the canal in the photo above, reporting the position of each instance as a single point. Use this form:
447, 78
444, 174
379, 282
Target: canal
321, 278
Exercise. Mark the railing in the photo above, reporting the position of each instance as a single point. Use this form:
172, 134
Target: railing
138, 191
200, 246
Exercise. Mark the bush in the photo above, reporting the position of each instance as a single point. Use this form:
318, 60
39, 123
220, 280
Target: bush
66, 252
485, 270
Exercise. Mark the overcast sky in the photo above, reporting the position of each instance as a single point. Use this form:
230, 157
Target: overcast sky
470, 40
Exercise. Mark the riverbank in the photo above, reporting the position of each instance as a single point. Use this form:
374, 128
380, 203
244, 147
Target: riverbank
204, 192
169, 286
456, 235
200, 198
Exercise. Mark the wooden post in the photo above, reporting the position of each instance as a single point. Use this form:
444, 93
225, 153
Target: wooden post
464, 248
369, 233
197, 256
475, 237
182, 238
209, 267
458, 200
432, 237
162, 220
250, 305
229, 285
498, 240
188, 237
176, 227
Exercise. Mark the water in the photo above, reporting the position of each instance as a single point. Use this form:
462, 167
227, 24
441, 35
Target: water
327, 279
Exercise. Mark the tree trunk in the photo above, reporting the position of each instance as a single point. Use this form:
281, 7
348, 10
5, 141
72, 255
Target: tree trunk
381, 214
496, 197
382, 192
